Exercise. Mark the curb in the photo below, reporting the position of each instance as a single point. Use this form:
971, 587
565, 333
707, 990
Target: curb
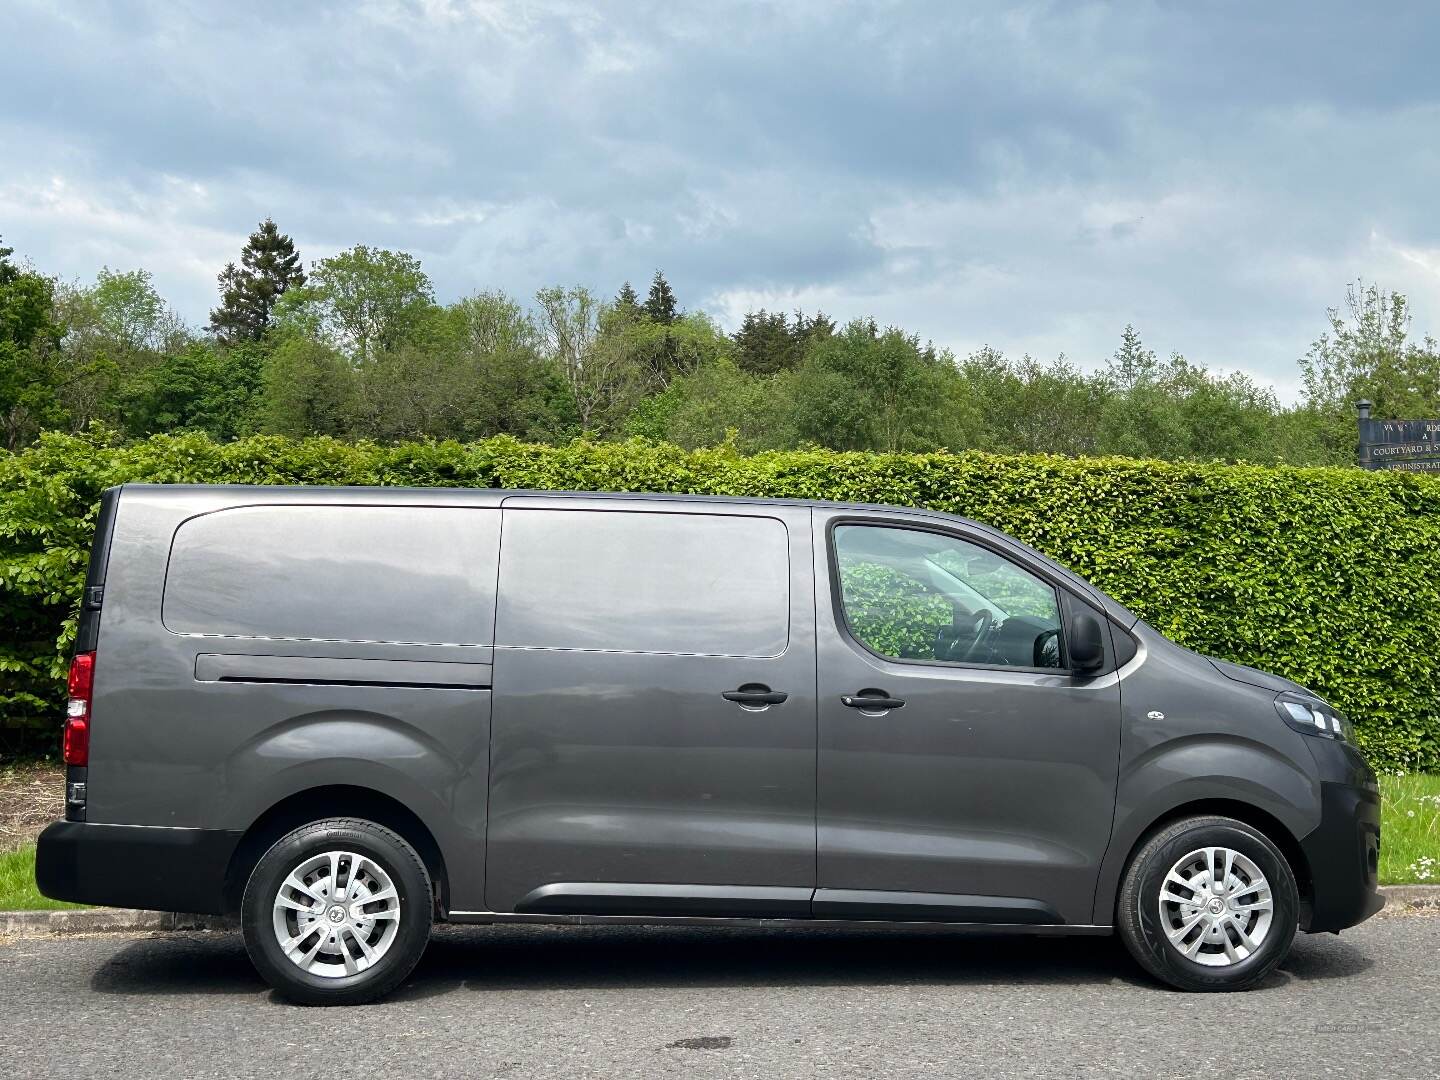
1398, 899
104, 921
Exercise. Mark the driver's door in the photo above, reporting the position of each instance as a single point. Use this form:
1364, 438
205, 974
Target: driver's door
987, 795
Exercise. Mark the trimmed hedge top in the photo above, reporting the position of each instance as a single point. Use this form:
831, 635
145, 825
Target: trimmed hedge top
1330, 577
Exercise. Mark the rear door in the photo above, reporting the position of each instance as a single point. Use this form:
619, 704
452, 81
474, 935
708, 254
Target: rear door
653, 748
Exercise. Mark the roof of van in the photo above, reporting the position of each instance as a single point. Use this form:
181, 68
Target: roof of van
489, 496
326, 492
494, 496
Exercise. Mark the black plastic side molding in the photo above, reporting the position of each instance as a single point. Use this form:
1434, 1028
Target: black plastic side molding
695, 901
930, 907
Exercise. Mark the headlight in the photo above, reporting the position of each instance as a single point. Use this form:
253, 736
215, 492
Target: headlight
1311, 716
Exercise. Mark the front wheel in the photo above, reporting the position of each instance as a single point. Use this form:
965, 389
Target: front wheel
1208, 903
337, 912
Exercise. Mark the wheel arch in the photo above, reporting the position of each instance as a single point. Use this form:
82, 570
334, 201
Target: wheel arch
1259, 819
328, 801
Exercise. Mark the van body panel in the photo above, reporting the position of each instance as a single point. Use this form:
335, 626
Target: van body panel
628, 766
987, 782
1190, 736
579, 754
183, 746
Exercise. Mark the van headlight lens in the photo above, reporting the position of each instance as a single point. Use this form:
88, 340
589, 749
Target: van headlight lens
1311, 716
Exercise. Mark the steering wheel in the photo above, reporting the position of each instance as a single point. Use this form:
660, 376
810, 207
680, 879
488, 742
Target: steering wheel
980, 622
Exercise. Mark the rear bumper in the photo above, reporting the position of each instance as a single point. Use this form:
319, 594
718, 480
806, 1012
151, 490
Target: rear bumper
1343, 853
135, 866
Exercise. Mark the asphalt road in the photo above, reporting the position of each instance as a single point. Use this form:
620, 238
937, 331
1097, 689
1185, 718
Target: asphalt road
645, 1002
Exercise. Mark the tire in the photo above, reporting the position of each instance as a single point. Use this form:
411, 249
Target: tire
1219, 958
334, 889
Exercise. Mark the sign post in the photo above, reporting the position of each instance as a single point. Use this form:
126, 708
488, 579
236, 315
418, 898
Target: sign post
1398, 445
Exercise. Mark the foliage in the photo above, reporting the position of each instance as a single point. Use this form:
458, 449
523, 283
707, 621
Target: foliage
269, 265
29, 336
1410, 824
361, 350
660, 305
1328, 576
892, 612
1367, 354
717, 404
863, 389
203, 387
116, 332
361, 302
767, 343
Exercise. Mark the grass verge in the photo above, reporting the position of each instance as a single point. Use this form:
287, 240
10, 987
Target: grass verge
17, 884
1410, 829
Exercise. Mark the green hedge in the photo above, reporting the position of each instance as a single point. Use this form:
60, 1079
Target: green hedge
1328, 576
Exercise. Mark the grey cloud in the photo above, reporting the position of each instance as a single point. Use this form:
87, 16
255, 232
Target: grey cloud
1033, 176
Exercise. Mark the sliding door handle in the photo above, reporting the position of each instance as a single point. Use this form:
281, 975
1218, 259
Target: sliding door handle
755, 695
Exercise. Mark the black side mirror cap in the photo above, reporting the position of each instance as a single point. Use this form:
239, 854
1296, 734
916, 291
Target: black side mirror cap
1087, 643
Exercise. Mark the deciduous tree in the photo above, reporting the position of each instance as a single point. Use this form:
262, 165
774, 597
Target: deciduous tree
361, 302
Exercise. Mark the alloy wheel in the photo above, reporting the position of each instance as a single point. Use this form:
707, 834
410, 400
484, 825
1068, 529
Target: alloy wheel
1216, 906
336, 914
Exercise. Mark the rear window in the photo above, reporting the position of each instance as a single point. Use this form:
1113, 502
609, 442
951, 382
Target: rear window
644, 582
413, 574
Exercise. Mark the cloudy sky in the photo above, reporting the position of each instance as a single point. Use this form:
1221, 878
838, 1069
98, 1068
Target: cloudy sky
1032, 176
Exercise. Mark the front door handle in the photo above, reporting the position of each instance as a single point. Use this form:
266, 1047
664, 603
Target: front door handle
876, 700
755, 695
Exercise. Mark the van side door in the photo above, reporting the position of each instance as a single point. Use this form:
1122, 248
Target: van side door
653, 741
965, 772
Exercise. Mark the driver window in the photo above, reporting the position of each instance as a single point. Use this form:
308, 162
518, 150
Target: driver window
914, 595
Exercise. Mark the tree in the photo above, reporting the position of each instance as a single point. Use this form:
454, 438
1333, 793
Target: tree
598, 377
1367, 354
627, 303
361, 302
309, 389
29, 338
1132, 363
510, 386
116, 331
660, 305
201, 387
863, 389
125, 314
764, 343
716, 404
1030, 406
269, 265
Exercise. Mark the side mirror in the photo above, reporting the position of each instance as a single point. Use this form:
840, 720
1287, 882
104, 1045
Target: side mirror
1087, 643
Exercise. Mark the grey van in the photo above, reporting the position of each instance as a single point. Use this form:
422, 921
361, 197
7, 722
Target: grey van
345, 714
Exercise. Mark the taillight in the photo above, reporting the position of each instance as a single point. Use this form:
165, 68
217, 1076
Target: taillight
77, 710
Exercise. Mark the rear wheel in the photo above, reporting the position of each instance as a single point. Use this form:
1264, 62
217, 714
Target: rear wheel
337, 912
1208, 903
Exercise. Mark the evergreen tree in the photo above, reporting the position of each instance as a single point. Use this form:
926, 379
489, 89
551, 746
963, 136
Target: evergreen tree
764, 344
817, 327
248, 293
627, 303
660, 305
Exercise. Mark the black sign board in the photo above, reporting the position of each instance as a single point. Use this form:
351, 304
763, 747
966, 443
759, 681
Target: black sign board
1400, 445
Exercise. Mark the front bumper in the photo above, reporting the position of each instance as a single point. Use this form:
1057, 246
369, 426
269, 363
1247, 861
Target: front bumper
135, 866
1343, 853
